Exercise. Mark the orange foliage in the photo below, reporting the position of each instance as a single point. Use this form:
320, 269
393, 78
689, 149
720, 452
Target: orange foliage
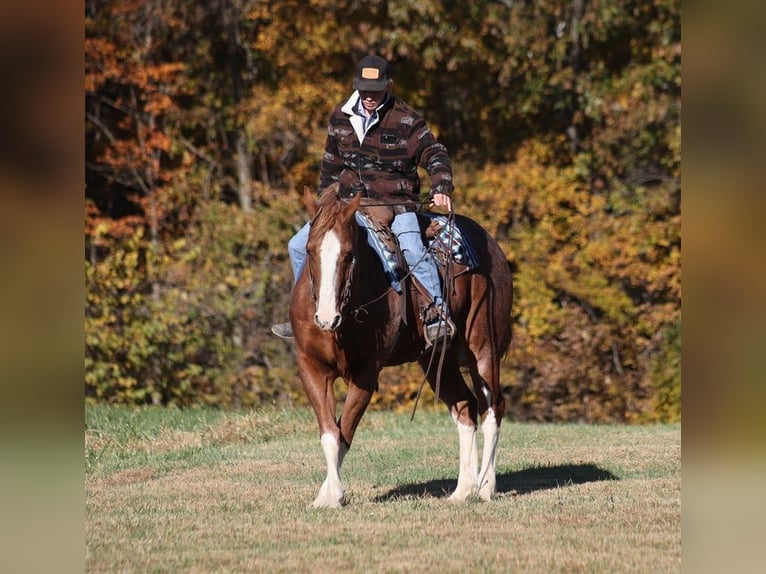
566, 146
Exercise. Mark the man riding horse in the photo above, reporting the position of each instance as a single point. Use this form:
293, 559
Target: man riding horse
375, 144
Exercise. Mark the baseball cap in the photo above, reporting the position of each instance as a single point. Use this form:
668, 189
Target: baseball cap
372, 74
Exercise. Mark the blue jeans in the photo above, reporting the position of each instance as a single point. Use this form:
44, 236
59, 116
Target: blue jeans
405, 227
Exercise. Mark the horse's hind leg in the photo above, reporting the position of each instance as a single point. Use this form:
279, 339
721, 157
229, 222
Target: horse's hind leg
358, 395
456, 395
485, 375
467, 479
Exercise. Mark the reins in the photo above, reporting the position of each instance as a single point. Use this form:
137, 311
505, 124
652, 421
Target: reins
395, 203
389, 289
449, 277
362, 307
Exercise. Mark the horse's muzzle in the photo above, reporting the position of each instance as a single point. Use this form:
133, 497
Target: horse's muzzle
331, 325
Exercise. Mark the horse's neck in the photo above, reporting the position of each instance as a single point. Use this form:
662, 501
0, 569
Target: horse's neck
370, 277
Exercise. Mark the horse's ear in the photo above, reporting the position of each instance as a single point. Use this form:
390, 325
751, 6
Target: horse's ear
352, 206
309, 200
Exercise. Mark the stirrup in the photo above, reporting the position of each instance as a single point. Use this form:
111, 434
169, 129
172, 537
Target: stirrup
442, 330
283, 330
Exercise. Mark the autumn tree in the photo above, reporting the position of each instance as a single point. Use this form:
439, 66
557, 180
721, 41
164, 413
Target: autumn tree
203, 122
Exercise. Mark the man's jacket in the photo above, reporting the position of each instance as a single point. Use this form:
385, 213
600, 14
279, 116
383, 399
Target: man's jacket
384, 161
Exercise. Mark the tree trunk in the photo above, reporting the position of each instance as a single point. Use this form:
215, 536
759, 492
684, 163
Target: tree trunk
244, 179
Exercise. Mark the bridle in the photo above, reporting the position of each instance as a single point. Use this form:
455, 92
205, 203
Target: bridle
362, 307
345, 294
345, 297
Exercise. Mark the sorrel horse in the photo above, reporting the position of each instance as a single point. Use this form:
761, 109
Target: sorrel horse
348, 322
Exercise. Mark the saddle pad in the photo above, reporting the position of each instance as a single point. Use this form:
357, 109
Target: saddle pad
451, 239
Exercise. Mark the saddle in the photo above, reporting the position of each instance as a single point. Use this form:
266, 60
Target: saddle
444, 240
441, 236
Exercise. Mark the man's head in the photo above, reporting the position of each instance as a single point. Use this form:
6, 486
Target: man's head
372, 74
372, 80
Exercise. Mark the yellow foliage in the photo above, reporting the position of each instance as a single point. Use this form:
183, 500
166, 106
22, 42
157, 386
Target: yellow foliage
592, 287
574, 146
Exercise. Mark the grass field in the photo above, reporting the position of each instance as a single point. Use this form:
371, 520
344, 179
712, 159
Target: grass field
205, 491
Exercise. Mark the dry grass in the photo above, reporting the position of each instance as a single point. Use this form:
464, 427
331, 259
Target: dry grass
230, 493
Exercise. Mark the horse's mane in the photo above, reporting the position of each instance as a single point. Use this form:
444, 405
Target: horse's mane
329, 204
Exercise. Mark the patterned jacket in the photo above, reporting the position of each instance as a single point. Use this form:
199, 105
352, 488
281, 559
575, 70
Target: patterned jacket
384, 161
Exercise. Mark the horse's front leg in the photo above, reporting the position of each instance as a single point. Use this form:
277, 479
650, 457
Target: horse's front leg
336, 444
318, 383
332, 494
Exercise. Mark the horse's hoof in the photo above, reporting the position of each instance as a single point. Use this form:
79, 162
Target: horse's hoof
486, 494
326, 504
461, 494
329, 501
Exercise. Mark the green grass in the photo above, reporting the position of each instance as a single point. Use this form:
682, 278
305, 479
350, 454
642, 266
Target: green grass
205, 491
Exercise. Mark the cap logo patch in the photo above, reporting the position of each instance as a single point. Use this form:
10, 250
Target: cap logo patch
370, 73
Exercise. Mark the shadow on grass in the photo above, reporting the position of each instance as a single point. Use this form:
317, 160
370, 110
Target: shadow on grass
515, 483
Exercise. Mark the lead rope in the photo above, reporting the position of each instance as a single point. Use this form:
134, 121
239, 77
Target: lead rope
362, 307
448, 281
449, 276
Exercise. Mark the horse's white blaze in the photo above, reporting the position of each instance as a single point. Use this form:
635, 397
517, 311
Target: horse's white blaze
331, 493
491, 433
327, 305
467, 479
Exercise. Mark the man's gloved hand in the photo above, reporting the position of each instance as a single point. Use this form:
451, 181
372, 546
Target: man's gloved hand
441, 199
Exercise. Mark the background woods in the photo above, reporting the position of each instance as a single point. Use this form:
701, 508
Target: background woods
204, 121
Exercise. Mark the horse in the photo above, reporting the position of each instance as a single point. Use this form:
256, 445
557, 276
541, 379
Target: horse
348, 322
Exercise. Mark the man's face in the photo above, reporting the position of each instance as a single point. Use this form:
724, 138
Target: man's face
371, 100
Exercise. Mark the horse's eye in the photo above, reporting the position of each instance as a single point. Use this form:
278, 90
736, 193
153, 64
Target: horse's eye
348, 257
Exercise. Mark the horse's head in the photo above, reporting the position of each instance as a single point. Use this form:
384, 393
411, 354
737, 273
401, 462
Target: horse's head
331, 255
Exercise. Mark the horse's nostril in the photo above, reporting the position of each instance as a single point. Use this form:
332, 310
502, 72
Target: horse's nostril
328, 325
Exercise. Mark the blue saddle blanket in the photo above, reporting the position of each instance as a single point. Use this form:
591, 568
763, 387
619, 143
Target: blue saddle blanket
449, 240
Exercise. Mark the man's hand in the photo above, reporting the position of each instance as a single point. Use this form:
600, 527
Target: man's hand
442, 200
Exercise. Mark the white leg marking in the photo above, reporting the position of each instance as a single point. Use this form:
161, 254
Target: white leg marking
327, 308
466, 480
331, 493
491, 433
